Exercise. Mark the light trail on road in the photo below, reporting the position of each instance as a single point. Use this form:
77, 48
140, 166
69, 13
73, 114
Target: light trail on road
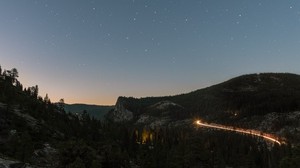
269, 137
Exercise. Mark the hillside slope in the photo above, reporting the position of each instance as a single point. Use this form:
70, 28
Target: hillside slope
160, 133
37, 133
247, 95
267, 102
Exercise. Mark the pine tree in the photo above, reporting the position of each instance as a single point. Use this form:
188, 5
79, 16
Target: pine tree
61, 105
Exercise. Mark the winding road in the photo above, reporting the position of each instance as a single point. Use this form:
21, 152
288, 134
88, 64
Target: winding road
266, 136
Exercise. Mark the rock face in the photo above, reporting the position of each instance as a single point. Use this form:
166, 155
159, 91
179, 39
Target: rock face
285, 125
8, 163
165, 105
160, 114
120, 113
46, 157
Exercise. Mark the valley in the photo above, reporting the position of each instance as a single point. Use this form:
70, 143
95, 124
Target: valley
156, 131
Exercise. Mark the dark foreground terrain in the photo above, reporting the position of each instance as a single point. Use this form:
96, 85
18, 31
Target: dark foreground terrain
156, 131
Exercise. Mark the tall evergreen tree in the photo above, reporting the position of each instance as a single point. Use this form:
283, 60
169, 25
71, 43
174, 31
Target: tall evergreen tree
61, 105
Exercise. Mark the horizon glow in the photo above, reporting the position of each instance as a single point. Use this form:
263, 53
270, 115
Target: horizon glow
89, 51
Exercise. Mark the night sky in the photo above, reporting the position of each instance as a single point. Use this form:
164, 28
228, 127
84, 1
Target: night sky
94, 51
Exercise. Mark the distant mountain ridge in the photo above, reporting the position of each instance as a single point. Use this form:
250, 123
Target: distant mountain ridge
97, 111
254, 94
268, 102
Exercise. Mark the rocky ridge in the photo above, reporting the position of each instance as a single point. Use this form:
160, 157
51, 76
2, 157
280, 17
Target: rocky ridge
120, 113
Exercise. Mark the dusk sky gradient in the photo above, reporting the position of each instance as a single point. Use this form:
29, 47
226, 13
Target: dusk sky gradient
92, 51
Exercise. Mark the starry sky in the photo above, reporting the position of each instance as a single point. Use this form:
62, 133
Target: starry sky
92, 51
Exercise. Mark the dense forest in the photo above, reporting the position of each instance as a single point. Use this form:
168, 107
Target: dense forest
30, 124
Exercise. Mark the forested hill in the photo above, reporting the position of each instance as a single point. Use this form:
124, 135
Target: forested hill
254, 94
96, 111
36, 131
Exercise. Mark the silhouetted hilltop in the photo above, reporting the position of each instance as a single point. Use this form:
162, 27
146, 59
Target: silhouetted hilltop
36, 131
254, 94
158, 132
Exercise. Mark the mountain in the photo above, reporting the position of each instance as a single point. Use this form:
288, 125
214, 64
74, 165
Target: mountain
154, 132
254, 94
248, 101
96, 111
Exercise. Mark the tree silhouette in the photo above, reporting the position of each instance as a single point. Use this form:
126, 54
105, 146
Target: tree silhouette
47, 99
14, 73
61, 105
34, 91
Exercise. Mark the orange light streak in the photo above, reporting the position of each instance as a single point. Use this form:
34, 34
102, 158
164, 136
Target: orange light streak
266, 136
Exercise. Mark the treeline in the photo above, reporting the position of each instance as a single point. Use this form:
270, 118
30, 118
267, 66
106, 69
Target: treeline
84, 142
28, 122
190, 147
